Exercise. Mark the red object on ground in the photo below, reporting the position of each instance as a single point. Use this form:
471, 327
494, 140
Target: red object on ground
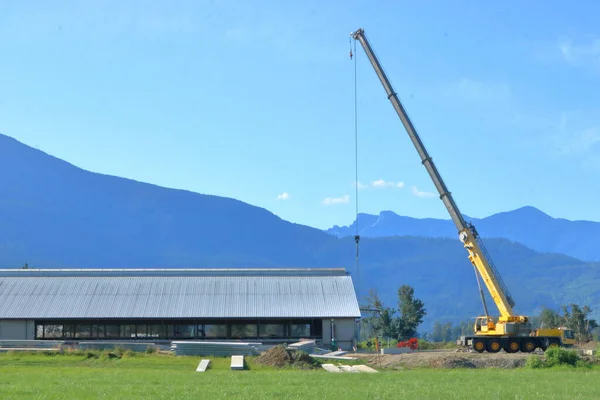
413, 343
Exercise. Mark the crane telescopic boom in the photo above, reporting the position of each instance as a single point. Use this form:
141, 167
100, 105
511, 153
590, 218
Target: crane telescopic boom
466, 231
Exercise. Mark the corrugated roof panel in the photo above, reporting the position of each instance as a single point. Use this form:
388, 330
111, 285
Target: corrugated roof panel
189, 296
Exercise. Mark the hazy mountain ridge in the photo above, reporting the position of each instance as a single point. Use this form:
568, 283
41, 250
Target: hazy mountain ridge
526, 225
53, 214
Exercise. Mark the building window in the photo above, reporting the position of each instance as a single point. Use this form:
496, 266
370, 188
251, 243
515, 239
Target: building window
215, 331
127, 331
155, 331
300, 330
178, 330
271, 330
243, 331
52, 331
83, 331
112, 331
185, 331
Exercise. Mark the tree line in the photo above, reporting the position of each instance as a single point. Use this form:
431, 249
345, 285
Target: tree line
401, 323
392, 323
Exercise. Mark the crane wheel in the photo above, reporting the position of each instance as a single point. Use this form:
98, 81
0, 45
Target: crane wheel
512, 346
528, 345
479, 345
494, 346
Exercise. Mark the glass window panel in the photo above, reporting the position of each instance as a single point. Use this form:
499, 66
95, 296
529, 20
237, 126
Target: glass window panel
112, 331
82, 331
215, 331
68, 331
200, 332
155, 331
272, 330
101, 329
170, 331
39, 332
140, 330
53, 331
300, 330
243, 331
94, 332
128, 331
185, 331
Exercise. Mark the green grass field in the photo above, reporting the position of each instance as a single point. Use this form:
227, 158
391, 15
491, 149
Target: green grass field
37, 376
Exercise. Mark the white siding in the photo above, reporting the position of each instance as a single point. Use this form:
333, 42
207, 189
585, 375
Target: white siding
17, 330
344, 332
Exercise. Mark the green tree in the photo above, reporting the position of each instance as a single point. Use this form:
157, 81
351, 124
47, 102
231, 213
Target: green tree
577, 319
448, 333
412, 311
550, 318
383, 321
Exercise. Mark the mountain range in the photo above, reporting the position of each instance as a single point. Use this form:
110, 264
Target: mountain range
56, 215
526, 225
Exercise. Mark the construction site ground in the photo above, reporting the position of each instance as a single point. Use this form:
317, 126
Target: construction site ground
445, 359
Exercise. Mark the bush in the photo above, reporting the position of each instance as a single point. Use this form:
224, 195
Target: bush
557, 356
560, 356
534, 362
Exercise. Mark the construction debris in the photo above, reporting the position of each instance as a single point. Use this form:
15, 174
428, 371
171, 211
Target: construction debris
205, 348
203, 366
331, 368
280, 356
348, 368
237, 363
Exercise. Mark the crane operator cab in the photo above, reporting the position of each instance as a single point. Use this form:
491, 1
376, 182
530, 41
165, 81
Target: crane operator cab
484, 325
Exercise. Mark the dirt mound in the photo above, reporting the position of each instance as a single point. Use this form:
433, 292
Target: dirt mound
455, 362
280, 357
447, 359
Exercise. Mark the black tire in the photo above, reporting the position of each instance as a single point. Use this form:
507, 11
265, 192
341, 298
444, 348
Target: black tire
554, 343
493, 345
512, 346
479, 345
528, 345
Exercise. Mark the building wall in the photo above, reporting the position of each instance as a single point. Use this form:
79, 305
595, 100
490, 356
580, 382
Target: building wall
343, 331
17, 330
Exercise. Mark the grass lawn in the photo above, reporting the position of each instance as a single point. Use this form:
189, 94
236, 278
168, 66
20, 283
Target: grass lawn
37, 376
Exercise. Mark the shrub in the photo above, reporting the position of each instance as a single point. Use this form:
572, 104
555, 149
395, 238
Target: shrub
534, 362
560, 356
557, 356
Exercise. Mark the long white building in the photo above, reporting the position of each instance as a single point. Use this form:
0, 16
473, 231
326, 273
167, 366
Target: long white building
178, 304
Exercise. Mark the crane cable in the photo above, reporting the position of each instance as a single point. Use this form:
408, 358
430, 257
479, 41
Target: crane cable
357, 235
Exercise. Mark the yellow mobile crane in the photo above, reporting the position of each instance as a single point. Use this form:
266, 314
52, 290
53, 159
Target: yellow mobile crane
511, 332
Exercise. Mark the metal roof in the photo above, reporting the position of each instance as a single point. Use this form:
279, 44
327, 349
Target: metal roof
281, 293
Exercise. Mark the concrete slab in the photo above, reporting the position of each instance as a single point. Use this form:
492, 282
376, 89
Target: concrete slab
336, 353
330, 368
348, 368
237, 362
332, 357
203, 366
364, 368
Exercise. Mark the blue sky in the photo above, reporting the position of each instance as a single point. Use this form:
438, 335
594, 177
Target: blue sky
252, 100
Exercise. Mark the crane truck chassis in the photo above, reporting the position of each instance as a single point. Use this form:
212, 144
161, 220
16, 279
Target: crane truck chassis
511, 332
539, 338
